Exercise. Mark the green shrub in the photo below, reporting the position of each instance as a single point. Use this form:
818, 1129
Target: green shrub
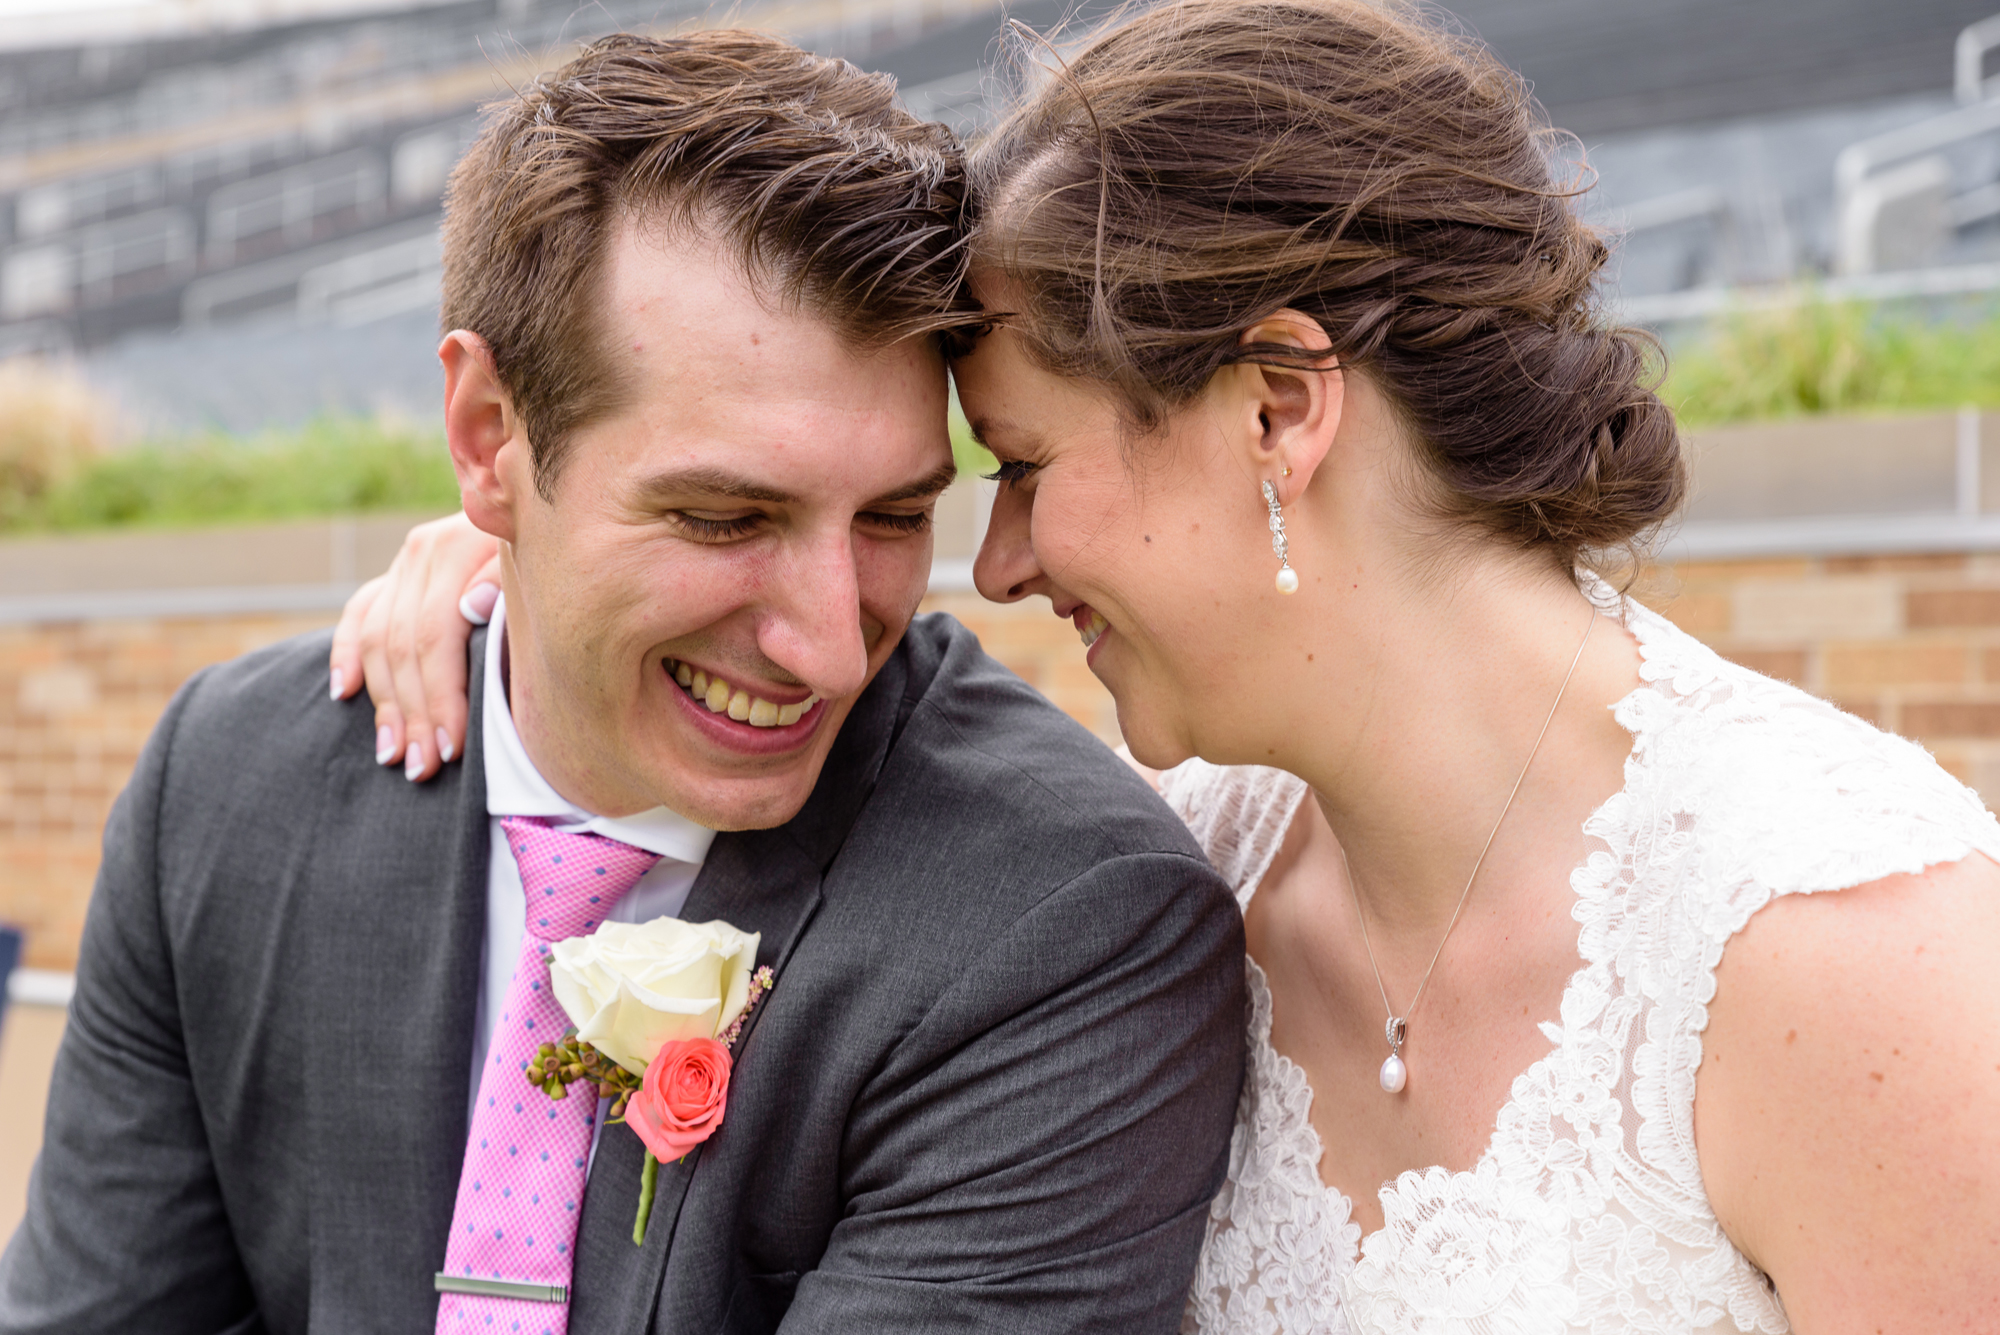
52, 425
327, 467
971, 457
1822, 357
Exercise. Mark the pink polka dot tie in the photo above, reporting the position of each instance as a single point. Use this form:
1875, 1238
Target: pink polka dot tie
526, 1158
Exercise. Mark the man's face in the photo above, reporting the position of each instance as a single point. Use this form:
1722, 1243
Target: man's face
754, 522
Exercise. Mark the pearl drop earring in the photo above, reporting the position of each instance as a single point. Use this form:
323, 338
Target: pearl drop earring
1288, 578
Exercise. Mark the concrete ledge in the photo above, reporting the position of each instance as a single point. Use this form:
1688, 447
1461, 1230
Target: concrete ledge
948, 575
247, 600
1817, 535
1815, 467
41, 987
1832, 535
951, 574
310, 551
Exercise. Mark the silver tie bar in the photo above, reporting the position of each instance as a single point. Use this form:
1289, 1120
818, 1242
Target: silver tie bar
500, 1288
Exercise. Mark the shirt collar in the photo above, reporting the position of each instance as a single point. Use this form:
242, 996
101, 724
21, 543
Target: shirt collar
514, 787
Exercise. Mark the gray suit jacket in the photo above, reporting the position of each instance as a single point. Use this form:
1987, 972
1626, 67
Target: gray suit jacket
992, 1089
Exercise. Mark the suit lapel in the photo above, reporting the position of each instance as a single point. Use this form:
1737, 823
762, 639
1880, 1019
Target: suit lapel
399, 930
763, 881
760, 884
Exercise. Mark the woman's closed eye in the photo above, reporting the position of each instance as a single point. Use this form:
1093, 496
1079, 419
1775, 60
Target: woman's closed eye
899, 523
1011, 472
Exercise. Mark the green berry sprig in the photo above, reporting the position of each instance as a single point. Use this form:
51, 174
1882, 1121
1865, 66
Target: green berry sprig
557, 1066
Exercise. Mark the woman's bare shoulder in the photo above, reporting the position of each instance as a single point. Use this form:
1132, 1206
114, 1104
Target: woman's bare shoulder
1847, 1111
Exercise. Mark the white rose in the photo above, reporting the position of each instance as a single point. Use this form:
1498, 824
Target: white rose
632, 987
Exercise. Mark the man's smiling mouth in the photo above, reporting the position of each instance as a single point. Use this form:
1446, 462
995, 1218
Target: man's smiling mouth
722, 698
1090, 625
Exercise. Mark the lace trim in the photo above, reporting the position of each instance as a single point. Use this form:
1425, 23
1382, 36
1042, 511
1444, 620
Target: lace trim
1587, 1210
1239, 814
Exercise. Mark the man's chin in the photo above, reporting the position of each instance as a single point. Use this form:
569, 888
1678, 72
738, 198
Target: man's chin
726, 792
734, 804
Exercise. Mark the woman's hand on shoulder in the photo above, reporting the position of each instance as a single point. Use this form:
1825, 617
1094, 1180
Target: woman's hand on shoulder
403, 635
1847, 1113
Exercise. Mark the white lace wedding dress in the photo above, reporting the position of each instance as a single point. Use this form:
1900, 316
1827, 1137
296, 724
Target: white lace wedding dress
1587, 1211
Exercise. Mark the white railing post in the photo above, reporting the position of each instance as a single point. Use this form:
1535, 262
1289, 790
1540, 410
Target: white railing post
1863, 187
1968, 82
1967, 481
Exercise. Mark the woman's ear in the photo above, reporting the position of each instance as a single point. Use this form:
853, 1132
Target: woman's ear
1290, 414
483, 432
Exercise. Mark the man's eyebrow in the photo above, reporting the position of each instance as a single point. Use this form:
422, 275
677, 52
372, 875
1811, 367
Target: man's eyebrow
924, 488
710, 481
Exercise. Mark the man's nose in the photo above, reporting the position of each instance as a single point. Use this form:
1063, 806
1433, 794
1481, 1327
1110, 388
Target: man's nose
1006, 568
816, 632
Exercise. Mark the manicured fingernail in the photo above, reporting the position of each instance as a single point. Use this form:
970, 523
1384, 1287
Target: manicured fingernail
444, 746
333, 690
385, 745
477, 604
413, 762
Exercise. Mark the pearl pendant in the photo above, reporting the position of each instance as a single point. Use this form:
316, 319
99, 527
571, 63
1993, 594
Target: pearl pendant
1288, 580
1394, 1075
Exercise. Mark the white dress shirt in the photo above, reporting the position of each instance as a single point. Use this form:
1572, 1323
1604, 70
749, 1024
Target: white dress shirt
514, 787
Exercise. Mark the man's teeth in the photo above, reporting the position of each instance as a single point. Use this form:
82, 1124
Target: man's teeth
722, 698
1096, 626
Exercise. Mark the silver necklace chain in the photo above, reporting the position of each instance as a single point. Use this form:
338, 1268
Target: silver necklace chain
1396, 1030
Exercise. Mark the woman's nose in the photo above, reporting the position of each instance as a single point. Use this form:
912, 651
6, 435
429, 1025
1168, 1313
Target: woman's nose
1006, 565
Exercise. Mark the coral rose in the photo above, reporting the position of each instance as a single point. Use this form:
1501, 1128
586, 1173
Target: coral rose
680, 1103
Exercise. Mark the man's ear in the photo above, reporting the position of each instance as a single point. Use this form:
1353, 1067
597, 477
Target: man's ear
489, 445
1290, 415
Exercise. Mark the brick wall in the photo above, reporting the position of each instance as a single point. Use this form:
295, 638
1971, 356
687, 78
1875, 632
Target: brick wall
77, 701
1042, 649
1912, 643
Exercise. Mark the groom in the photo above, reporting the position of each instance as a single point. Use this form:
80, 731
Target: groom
693, 384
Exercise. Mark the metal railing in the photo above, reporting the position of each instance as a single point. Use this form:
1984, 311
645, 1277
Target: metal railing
1895, 194
292, 201
159, 243
275, 283
388, 280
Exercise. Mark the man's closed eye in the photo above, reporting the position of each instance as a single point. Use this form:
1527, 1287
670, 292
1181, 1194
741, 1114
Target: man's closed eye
704, 529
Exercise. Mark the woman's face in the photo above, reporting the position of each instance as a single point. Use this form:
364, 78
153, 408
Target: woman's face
1156, 546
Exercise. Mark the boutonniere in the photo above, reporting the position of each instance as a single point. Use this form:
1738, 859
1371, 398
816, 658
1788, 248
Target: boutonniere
656, 1007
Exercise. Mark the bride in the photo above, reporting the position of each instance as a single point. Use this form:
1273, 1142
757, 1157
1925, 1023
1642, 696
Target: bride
1307, 419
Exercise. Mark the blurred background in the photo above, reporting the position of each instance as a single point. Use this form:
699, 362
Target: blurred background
218, 391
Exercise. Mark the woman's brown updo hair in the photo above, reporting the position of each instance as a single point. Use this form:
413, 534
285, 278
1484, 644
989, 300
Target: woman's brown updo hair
1214, 161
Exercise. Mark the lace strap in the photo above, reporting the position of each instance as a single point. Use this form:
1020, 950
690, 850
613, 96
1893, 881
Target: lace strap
1238, 813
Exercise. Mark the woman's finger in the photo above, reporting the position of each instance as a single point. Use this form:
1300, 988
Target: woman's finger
481, 596
412, 640
459, 561
405, 634
375, 672
344, 662
441, 633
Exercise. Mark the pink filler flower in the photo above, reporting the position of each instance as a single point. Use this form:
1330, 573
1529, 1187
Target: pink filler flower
681, 1101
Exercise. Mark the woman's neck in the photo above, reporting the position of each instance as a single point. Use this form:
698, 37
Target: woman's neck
1442, 716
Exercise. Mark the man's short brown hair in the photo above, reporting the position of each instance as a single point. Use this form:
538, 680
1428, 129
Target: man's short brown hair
835, 200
